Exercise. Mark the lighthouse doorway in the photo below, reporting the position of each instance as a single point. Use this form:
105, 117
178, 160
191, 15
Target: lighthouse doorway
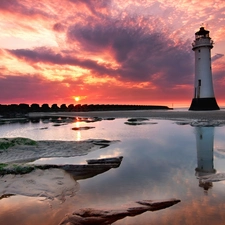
199, 88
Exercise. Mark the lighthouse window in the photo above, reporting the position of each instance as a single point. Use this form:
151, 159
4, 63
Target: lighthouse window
199, 83
199, 50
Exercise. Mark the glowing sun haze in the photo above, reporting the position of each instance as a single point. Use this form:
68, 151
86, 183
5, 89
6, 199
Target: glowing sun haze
106, 51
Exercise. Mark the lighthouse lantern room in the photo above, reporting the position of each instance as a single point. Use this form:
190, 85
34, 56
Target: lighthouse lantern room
204, 98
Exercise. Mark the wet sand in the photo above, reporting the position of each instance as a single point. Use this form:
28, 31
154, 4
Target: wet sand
158, 114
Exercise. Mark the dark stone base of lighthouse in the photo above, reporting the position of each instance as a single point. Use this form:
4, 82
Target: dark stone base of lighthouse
201, 104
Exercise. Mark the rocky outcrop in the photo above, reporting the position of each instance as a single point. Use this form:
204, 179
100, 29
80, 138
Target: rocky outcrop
82, 128
22, 150
48, 181
82, 171
104, 217
106, 160
138, 121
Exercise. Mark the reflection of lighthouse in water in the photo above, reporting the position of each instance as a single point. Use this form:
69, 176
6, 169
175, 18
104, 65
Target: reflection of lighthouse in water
204, 141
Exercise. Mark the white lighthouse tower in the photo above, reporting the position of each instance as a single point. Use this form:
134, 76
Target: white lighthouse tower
204, 98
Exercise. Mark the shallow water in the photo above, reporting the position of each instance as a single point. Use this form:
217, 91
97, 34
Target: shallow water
160, 162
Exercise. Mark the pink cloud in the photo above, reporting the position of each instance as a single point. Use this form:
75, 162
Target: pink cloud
25, 8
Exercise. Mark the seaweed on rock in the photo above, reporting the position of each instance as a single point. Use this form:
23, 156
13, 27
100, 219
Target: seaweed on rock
6, 143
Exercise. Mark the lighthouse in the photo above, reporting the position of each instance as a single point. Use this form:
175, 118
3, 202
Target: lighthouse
204, 98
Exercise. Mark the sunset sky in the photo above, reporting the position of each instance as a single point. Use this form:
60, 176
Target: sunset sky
106, 51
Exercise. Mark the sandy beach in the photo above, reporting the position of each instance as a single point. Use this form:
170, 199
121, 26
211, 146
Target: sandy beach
158, 114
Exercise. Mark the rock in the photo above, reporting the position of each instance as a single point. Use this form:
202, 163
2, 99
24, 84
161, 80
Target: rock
77, 171
43, 128
116, 160
137, 119
94, 119
133, 123
27, 150
57, 124
82, 128
110, 118
183, 123
158, 204
139, 123
102, 143
106, 217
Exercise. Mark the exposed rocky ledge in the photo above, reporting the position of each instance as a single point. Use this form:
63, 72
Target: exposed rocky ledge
82, 128
27, 150
105, 217
138, 121
50, 181
93, 167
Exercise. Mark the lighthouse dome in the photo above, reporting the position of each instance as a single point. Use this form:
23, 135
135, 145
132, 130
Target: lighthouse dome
202, 33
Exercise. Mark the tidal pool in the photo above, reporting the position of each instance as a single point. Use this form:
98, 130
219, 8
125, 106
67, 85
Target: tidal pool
161, 159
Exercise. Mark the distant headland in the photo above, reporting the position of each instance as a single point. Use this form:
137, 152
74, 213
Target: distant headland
16, 110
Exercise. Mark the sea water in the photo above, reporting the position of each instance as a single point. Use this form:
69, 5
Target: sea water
161, 159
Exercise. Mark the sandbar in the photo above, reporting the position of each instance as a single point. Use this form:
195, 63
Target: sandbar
157, 114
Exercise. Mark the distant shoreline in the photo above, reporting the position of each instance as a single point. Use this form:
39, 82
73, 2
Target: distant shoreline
155, 114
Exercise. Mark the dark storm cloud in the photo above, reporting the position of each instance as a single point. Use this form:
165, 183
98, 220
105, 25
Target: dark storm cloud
142, 53
45, 55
